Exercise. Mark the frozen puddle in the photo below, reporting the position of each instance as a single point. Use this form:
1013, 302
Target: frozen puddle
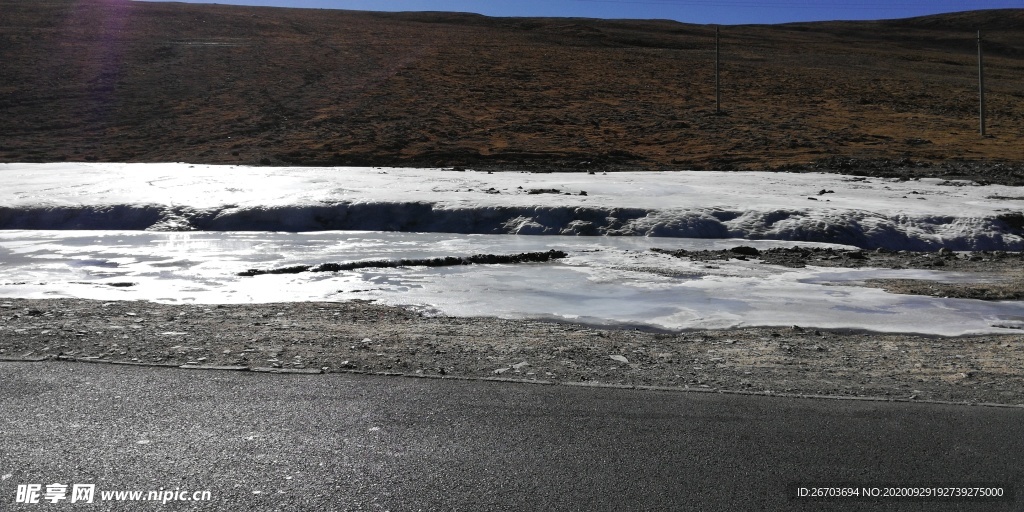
604, 280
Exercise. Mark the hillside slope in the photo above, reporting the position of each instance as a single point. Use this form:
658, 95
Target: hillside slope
118, 80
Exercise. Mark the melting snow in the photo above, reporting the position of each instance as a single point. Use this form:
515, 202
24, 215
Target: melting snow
604, 280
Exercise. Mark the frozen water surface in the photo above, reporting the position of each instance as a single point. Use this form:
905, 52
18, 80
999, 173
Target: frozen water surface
604, 280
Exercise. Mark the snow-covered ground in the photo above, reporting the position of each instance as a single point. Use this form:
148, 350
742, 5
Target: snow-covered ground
120, 232
866, 212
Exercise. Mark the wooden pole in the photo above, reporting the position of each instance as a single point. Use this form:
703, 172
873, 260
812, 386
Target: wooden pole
718, 82
981, 88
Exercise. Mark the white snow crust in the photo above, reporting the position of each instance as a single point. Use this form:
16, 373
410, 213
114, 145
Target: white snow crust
864, 212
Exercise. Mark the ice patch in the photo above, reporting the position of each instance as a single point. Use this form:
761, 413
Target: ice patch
603, 280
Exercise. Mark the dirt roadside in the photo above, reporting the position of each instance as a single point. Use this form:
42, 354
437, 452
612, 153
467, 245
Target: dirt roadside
361, 336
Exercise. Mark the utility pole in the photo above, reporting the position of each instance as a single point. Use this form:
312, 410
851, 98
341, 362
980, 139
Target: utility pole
981, 88
718, 82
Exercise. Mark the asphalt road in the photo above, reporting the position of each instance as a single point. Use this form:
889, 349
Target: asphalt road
356, 442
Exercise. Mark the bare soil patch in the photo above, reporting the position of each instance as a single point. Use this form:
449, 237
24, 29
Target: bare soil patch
999, 274
1012, 290
964, 261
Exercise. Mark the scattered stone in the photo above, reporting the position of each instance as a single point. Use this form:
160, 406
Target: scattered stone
621, 359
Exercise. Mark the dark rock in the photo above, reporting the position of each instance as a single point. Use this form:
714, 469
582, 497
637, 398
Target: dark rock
745, 250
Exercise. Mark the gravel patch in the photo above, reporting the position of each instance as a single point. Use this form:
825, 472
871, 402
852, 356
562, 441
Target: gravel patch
367, 337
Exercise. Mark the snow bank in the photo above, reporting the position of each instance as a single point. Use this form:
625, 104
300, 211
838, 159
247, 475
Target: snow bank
865, 212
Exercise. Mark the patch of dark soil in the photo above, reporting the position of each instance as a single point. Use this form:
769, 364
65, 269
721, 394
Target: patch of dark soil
1000, 273
796, 257
1013, 290
956, 173
478, 259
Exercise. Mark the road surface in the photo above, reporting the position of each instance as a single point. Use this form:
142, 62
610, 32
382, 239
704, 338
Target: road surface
258, 442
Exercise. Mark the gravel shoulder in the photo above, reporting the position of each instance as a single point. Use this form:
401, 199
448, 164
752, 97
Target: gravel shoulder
367, 337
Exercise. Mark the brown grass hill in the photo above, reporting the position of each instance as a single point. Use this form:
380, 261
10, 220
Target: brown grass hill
117, 80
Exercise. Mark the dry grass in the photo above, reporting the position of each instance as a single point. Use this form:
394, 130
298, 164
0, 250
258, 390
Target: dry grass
140, 81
